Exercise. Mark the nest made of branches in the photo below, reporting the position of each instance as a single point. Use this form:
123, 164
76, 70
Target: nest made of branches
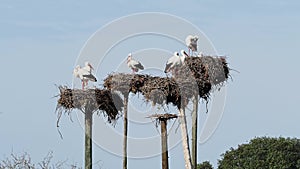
159, 90
92, 100
196, 77
207, 69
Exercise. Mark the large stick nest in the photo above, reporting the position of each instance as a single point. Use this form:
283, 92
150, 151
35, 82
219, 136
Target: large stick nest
207, 69
93, 100
196, 77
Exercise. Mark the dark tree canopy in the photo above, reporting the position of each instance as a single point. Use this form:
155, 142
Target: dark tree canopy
205, 165
275, 153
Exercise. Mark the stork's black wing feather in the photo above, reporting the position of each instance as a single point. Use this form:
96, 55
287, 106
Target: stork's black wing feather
90, 77
139, 66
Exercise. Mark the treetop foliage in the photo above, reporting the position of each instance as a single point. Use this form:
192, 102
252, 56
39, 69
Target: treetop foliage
265, 152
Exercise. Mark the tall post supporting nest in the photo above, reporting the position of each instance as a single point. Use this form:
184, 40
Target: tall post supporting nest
206, 71
89, 101
185, 140
125, 131
88, 138
194, 131
163, 120
164, 144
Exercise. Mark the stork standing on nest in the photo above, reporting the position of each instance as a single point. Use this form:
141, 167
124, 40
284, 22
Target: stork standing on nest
134, 65
191, 43
84, 75
172, 63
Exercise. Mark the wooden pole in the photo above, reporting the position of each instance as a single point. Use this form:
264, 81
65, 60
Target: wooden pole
88, 138
185, 140
164, 144
194, 131
163, 119
125, 131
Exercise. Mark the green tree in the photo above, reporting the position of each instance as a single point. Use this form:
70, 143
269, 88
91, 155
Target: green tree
274, 153
205, 165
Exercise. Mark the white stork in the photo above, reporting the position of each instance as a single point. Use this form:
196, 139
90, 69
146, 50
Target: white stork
84, 75
191, 43
173, 62
134, 65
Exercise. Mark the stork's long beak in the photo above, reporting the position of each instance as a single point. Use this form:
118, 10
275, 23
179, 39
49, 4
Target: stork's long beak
185, 53
91, 66
128, 58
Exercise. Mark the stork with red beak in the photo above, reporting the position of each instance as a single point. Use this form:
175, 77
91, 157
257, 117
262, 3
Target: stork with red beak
84, 75
134, 65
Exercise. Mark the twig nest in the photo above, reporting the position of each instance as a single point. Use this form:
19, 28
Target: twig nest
93, 100
196, 77
208, 69
125, 83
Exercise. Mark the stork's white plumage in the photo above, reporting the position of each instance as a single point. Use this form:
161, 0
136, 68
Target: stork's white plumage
183, 56
84, 75
173, 62
191, 42
134, 65
88, 67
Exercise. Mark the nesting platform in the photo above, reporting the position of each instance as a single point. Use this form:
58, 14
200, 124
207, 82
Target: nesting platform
196, 77
165, 116
92, 100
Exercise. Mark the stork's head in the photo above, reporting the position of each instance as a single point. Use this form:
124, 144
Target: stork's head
196, 38
189, 37
76, 69
129, 57
89, 65
176, 54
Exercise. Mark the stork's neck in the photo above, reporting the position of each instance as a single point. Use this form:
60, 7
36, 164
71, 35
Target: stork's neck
128, 60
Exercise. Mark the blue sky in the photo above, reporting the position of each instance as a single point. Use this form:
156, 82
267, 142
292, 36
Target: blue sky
40, 42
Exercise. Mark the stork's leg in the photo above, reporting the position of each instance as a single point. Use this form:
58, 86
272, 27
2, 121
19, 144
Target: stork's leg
82, 84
